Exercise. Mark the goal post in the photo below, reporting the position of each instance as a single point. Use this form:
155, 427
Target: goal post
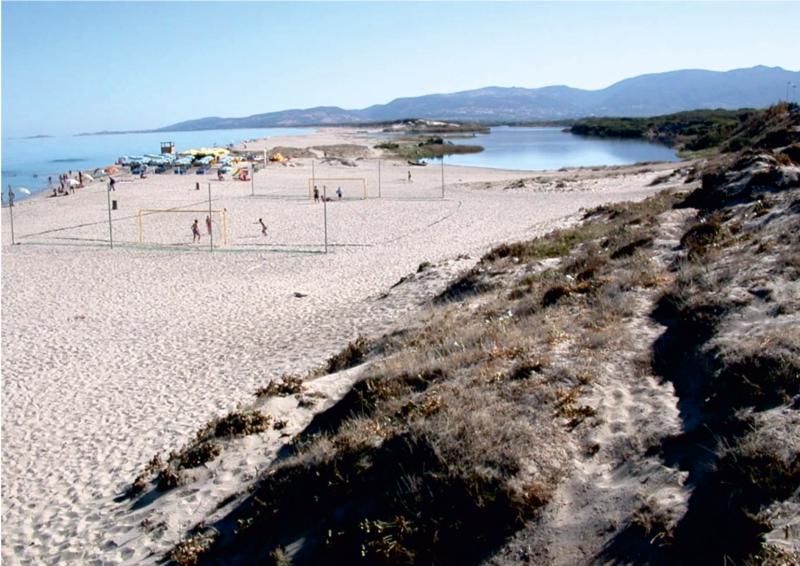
174, 229
349, 186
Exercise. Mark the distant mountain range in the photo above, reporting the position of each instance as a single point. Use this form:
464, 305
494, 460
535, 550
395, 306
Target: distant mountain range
645, 95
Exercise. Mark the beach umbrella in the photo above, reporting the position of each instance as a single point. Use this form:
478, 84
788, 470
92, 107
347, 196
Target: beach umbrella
112, 170
24, 190
87, 176
71, 182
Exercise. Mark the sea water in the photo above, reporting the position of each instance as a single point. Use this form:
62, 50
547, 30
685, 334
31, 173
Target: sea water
27, 163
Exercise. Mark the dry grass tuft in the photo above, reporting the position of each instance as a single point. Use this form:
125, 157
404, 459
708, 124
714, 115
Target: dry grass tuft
761, 375
653, 522
288, 385
188, 551
772, 556
354, 354
238, 423
151, 470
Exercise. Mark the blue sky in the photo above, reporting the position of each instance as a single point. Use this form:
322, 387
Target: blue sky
72, 67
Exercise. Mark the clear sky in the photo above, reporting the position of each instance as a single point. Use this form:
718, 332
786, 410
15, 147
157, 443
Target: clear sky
72, 67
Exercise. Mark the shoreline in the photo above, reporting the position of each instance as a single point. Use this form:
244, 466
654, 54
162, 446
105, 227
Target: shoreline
111, 356
57, 161
353, 134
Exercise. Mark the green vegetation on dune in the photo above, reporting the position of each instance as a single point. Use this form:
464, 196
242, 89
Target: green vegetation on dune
686, 131
426, 147
698, 133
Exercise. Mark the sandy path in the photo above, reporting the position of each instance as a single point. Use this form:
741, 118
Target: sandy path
110, 356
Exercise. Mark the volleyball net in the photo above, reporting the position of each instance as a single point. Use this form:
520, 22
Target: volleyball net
174, 227
338, 187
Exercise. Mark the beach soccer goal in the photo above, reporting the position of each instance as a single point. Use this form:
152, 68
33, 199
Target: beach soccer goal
170, 227
352, 187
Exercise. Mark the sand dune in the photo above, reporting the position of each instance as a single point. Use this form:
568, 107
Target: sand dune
110, 356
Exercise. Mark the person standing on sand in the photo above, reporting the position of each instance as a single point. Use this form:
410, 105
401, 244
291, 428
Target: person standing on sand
263, 227
111, 184
316, 194
208, 224
10, 196
409, 176
339, 192
195, 232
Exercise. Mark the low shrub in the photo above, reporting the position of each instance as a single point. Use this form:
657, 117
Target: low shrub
354, 354
241, 424
288, 385
189, 551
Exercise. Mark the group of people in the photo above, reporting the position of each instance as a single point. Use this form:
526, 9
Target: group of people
66, 184
196, 236
339, 193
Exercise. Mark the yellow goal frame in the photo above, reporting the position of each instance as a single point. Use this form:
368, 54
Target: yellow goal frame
317, 180
144, 212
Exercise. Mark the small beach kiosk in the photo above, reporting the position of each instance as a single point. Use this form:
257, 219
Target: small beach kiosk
168, 147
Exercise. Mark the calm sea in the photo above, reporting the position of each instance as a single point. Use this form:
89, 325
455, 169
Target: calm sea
544, 149
29, 162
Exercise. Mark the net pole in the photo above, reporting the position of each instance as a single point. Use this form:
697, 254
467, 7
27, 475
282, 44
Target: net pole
313, 177
210, 232
110, 231
325, 213
141, 235
253, 182
442, 176
11, 212
379, 178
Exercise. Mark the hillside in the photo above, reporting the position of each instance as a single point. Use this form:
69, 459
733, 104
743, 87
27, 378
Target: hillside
625, 391
708, 131
645, 95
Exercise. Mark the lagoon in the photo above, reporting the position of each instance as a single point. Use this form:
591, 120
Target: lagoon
544, 149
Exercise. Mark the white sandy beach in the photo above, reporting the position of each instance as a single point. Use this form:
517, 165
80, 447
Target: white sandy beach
110, 356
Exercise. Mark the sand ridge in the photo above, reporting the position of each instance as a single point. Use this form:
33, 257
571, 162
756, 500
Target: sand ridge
113, 355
